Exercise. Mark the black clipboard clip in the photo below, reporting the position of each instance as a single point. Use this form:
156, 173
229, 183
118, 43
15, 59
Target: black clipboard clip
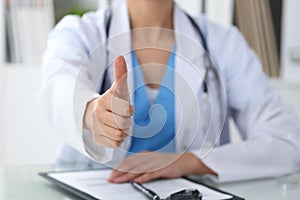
181, 195
186, 195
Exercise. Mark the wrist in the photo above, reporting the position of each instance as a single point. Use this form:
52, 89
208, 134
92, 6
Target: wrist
88, 119
198, 167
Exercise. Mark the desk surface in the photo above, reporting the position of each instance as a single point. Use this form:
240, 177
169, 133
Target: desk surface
19, 183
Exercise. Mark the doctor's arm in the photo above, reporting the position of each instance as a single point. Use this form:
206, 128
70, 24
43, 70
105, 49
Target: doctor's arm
270, 137
70, 75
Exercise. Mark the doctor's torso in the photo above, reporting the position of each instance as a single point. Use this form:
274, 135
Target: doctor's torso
79, 51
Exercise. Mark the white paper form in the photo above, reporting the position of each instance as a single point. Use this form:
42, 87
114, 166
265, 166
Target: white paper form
95, 184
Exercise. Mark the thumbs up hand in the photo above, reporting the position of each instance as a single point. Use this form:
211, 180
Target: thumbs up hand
109, 116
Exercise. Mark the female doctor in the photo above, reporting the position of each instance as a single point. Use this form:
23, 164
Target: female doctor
153, 83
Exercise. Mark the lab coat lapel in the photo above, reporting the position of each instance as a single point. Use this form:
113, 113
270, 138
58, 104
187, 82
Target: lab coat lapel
119, 43
188, 79
120, 39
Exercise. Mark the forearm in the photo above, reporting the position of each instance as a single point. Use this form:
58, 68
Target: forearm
250, 159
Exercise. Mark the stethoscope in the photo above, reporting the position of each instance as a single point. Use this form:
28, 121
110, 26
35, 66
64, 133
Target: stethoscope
214, 103
213, 97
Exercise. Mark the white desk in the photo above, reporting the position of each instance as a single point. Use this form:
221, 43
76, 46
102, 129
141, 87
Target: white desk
280, 188
23, 183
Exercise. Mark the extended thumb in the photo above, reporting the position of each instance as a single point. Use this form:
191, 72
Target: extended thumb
120, 74
120, 69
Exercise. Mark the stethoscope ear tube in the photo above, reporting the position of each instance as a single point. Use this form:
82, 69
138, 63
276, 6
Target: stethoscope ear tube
214, 105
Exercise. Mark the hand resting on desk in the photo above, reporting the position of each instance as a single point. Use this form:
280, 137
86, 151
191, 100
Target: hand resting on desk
148, 166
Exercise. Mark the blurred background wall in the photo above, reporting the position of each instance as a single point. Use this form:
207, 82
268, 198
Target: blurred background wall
26, 136
73, 6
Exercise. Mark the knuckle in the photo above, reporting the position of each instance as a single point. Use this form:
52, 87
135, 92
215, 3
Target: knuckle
116, 144
126, 111
119, 134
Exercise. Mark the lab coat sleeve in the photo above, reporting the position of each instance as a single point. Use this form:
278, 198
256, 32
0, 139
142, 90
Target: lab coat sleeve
68, 82
271, 143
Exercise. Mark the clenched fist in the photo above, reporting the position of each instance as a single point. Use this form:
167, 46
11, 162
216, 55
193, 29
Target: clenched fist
109, 116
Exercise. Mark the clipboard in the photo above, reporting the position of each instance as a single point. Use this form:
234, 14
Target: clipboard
87, 196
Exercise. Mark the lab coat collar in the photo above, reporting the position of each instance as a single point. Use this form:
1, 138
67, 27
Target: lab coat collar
188, 80
187, 38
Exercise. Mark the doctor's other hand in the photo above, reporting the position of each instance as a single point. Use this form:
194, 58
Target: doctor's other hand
109, 116
147, 166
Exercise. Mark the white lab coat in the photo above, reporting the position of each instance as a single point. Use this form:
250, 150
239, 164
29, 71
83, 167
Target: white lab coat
269, 130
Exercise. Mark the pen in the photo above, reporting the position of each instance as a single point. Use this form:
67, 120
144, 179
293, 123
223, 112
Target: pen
149, 193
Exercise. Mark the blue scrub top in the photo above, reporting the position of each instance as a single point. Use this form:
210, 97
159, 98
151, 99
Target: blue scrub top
154, 125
